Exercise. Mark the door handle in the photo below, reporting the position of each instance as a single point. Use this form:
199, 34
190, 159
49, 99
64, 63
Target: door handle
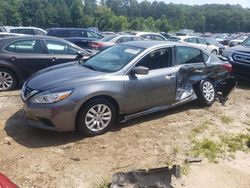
199, 70
169, 77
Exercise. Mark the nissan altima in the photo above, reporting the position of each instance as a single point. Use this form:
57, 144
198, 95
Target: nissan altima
123, 82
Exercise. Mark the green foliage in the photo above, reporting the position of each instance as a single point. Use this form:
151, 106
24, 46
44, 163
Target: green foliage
124, 14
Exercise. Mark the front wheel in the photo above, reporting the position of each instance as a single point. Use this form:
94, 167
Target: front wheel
206, 92
96, 117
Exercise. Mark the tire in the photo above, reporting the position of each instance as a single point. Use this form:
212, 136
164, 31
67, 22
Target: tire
8, 80
205, 92
214, 52
94, 119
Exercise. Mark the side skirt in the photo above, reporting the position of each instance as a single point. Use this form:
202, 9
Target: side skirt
157, 109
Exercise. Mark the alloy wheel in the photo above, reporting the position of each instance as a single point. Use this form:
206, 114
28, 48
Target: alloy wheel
6, 81
208, 91
98, 117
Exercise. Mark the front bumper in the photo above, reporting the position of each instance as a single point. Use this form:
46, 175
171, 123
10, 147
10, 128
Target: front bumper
56, 117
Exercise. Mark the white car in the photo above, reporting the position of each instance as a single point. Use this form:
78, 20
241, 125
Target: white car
197, 42
237, 41
149, 35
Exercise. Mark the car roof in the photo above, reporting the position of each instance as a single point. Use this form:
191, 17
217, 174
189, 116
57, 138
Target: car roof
151, 43
72, 28
8, 40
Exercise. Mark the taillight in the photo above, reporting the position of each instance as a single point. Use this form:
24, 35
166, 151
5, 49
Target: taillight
228, 67
96, 44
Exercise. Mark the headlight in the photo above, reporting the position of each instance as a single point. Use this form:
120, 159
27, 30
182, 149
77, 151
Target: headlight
51, 97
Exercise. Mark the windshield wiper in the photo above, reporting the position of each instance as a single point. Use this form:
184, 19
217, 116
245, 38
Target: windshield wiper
90, 67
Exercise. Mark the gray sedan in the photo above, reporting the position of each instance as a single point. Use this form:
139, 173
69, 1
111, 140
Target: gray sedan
122, 82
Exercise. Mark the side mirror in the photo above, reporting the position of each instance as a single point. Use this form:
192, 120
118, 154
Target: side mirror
79, 55
140, 70
208, 43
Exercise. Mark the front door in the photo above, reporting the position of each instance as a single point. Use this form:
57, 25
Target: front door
60, 52
155, 89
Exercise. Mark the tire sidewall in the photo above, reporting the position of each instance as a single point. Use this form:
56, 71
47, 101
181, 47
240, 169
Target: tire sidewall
80, 124
201, 96
14, 84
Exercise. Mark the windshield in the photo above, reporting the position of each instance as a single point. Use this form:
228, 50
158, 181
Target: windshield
246, 42
113, 59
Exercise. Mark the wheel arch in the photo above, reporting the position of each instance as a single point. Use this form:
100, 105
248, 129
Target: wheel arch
107, 97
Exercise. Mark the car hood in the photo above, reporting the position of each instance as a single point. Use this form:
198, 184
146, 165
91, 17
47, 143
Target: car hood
240, 48
66, 75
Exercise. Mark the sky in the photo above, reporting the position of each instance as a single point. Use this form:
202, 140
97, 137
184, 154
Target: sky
243, 3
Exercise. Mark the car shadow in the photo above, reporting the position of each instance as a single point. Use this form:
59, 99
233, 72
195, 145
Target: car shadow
157, 115
242, 84
16, 127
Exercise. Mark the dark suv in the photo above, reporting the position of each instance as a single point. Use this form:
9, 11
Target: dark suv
239, 57
78, 36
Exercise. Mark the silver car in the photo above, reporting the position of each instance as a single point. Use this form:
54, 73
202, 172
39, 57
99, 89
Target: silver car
123, 82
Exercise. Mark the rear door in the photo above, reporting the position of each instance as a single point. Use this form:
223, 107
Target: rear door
192, 67
155, 89
60, 52
28, 55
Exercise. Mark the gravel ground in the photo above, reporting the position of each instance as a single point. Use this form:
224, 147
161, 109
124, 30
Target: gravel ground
39, 158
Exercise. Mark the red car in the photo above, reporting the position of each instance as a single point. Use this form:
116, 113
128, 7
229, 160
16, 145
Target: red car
5, 182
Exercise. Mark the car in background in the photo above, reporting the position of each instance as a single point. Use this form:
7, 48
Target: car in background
237, 41
124, 81
107, 33
112, 40
149, 35
196, 41
6, 34
79, 36
214, 42
6, 182
239, 57
22, 56
28, 30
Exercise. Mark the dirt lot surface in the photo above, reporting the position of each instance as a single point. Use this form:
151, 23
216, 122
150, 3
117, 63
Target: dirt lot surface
39, 158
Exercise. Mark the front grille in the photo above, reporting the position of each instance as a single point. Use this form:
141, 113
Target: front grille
242, 58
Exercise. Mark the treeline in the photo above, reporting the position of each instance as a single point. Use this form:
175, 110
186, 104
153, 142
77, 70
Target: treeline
120, 15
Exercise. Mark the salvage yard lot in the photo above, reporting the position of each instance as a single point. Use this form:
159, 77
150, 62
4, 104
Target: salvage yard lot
38, 158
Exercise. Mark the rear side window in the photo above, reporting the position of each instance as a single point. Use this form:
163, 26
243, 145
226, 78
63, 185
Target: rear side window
91, 34
157, 59
25, 46
124, 39
59, 33
191, 40
188, 55
174, 39
55, 47
77, 33
158, 37
201, 41
146, 37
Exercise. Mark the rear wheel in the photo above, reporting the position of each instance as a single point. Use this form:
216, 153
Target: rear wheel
96, 117
8, 80
206, 92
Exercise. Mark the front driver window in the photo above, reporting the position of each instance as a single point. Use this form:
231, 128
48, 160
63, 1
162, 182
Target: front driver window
157, 59
55, 47
187, 55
